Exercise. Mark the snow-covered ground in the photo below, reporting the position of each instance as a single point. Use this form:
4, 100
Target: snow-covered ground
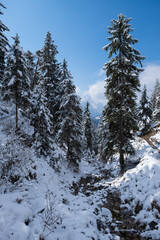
140, 188
45, 207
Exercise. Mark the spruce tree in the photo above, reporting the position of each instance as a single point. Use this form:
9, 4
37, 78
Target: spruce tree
155, 94
40, 118
3, 44
49, 74
16, 85
156, 112
70, 119
31, 67
94, 131
87, 128
122, 83
145, 110
103, 143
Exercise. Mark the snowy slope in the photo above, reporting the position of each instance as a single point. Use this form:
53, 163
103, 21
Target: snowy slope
140, 189
67, 205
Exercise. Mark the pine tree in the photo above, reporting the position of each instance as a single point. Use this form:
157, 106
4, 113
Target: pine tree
87, 128
156, 112
49, 74
41, 121
121, 86
70, 119
31, 66
16, 85
145, 110
103, 133
94, 138
155, 94
3, 45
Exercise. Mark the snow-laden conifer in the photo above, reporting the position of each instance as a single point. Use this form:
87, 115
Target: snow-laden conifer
49, 74
156, 112
31, 67
155, 94
103, 143
3, 44
87, 129
16, 84
145, 110
41, 121
94, 131
122, 83
70, 119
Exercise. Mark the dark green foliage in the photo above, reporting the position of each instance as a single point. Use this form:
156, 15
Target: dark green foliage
121, 86
87, 128
31, 67
49, 75
3, 45
156, 113
145, 110
103, 133
155, 94
70, 119
16, 85
41, 121
94, 131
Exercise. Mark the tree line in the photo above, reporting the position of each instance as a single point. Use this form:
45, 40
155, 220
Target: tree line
42, 89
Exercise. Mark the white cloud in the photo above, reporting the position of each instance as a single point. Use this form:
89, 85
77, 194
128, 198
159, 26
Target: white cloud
149, 76
78, 91
101, 72
95, 92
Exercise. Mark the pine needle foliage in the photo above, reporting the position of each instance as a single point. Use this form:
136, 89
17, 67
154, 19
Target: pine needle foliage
122, 83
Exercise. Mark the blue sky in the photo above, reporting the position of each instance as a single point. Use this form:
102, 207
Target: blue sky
79, 29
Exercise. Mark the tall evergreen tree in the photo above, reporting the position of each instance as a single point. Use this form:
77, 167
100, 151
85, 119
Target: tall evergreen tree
16, 84
40, 119
31, 67
103, 143
155, 94
87, 128
145, 110
121, 86
49, 74
156, 112
94, 131
70, 119
3, 44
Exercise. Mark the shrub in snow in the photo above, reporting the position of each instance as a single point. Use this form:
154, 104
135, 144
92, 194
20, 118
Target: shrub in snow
16, 162
50, 216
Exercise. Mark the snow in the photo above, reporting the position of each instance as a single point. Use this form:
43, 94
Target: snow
141, 186
11, 81
47, 207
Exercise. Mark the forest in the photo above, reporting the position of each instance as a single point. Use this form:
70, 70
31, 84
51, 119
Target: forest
62, 176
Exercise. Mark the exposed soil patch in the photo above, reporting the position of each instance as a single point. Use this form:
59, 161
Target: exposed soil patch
123, 223
147, 137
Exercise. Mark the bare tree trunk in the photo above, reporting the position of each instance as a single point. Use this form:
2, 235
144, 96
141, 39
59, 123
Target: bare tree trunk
121, 157
16, 96
16, 116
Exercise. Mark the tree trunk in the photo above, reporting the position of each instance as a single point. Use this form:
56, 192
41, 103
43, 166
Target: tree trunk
121, 159
16, 116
